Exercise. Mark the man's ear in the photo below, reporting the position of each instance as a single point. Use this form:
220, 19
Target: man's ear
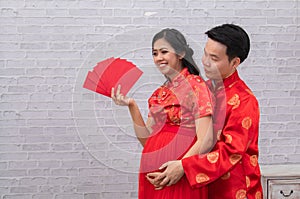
235, 62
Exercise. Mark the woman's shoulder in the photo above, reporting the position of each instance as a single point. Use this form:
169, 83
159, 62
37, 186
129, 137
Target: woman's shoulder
195, 79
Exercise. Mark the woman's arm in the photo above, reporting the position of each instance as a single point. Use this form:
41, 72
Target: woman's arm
141, 130
204, 133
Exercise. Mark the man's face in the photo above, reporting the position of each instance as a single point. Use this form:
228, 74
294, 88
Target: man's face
215, 61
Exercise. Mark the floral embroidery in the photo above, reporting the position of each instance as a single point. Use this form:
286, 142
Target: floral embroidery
246, 123
219, 135
258, 195
240, 194
249, 91
234, 158
226, 176
175, 115
234, 101
228, 138
213, 157
201, 177
253, 160
247, 181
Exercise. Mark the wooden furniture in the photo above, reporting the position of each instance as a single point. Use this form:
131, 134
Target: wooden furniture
281, 181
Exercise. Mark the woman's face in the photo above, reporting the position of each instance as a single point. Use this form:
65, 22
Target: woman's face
166, 59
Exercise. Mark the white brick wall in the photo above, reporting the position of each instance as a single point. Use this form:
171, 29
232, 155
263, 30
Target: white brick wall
60, 141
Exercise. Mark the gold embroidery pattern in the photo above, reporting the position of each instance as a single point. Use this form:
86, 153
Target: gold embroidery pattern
213, 157
253, 160
219, 135
226, 176
240, 194
249, 91
234, 101
248, 182
234, 158
228, 138
258, 195
201, 177
246, 123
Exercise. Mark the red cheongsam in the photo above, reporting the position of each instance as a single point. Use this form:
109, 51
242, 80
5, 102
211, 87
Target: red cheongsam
174, 107
231, 169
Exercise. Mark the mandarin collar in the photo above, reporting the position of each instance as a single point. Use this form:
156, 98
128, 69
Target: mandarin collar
179, 78
228, 81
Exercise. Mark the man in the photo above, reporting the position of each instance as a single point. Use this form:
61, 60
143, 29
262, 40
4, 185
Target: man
231, 169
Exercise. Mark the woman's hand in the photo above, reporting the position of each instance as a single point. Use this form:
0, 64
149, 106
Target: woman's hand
120, 99
173, 172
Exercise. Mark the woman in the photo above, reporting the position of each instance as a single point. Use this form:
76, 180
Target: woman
179, 122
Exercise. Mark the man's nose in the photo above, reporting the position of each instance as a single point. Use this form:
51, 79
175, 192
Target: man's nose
205, 61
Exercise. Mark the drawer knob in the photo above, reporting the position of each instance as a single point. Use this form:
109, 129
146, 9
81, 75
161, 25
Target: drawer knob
287, 195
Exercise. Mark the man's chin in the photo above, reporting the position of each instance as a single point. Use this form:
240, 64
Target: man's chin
213, 77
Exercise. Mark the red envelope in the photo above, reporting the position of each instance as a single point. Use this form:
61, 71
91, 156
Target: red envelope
110, 73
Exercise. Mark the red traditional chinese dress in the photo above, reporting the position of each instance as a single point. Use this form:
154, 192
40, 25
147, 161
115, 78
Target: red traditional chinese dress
174, 107
231, 170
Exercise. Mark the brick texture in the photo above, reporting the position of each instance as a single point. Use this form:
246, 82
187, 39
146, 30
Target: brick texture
58, 140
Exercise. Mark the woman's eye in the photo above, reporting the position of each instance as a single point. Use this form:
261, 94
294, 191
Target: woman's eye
154, 53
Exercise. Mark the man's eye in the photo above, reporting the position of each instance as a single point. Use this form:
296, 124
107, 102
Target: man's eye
214, 59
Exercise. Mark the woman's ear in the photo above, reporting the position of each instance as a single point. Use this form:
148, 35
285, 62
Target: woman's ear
181, 55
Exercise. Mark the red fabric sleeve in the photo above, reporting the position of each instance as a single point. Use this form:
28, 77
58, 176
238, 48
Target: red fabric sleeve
242, 125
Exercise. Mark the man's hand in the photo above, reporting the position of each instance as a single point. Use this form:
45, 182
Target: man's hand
171, 175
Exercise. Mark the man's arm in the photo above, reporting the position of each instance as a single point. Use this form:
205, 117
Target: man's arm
241, 126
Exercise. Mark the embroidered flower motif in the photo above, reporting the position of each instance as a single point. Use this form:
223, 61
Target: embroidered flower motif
234, 101
228, 138
246, 123
240, 194
201, 177
249, 91
226, 176
234, 158
175, 115
213, 157
219, 134
253, 160
247, 181
258, 195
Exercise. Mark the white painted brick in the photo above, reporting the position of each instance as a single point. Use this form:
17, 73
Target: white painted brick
42, 196
71, 195
49, 163
37, 146
10, 147
83, 12
17, 196
38, 172
13, 172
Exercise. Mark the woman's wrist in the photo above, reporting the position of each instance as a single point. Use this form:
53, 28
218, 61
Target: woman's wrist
131, 102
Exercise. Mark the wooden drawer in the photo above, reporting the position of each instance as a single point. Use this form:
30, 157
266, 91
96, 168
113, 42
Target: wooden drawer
281, 181
284, 188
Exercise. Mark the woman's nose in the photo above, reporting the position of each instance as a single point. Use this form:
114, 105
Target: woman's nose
159, 56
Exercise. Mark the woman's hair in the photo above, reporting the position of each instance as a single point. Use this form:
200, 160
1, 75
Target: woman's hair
178, 42
234, 38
